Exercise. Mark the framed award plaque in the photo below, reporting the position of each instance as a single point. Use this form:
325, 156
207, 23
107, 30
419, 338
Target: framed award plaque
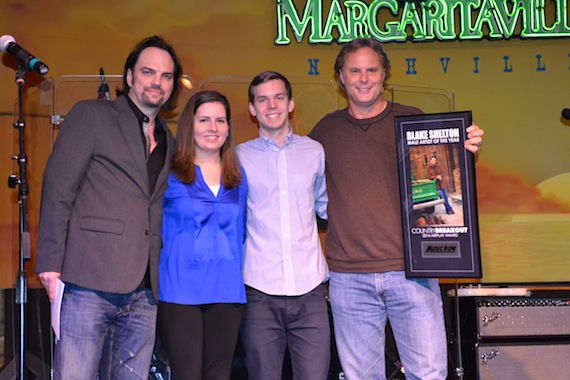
438, 196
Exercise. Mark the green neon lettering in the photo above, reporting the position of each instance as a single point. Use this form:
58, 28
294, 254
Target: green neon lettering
562, 11
465, 11
393, 31
411, 17
486, 16
287, 14
439, 21
335, 20
356, 12
421, 21
507, 20
539, 28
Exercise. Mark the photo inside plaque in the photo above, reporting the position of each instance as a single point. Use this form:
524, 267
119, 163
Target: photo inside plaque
436, 185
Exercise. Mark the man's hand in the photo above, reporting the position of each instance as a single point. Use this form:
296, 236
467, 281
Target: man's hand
474, 138
49, 281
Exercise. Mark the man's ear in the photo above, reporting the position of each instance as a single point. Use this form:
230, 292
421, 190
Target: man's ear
252, 110
129, 77
291, 105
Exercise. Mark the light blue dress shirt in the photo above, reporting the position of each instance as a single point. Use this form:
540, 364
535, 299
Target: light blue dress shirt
286, 187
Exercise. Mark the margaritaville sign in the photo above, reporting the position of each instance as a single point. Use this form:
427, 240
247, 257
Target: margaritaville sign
325, 21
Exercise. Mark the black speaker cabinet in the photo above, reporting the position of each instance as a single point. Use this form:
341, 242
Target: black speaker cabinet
526, 361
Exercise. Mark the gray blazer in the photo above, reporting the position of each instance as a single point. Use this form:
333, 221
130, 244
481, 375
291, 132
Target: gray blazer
99, 226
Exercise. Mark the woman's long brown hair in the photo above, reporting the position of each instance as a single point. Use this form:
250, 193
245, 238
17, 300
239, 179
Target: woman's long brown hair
185, 149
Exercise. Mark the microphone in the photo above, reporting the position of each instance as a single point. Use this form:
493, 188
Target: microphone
8, 44
104, 88
566, 113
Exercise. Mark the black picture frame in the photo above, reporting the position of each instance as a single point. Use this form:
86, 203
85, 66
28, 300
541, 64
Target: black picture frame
440, 232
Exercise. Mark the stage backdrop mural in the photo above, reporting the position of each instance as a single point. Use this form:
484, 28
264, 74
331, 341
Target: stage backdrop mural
510, 67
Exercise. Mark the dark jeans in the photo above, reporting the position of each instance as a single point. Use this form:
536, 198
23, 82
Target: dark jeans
274, 323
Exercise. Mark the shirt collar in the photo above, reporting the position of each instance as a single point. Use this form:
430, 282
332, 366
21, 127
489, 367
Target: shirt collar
159, 133
272, 145
138, 113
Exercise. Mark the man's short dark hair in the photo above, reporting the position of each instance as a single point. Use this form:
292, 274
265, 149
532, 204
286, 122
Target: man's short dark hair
267, 76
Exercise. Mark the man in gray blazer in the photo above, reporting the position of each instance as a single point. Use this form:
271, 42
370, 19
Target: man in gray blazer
100, 220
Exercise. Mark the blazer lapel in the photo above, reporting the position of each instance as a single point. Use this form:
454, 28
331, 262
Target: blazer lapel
162, 177
131, 131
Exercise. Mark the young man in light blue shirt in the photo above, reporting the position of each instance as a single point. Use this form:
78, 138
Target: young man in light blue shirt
284, 267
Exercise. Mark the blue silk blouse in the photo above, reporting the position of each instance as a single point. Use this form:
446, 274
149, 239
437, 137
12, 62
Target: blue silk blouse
203, 236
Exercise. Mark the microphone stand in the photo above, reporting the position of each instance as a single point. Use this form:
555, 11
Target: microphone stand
459, 370
24, 249
103, 92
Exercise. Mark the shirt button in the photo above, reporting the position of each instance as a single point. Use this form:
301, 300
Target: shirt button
146, 232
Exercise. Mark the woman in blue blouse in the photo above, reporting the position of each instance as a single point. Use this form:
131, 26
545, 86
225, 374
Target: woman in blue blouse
201, 290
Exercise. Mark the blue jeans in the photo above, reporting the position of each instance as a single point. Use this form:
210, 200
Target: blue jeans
363, 302
103, 333
445, 196
273, 324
